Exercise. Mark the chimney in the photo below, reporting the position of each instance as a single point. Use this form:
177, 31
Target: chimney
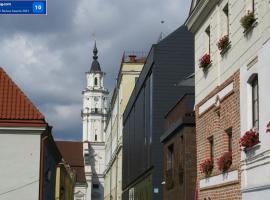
132, 58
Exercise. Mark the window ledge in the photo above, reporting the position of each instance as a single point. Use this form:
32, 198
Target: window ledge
225, 50
247, 31
206, 67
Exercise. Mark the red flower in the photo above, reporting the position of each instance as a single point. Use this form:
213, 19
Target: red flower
249, 139
204, 61
268, 127
223, 42
207, 166
225, 161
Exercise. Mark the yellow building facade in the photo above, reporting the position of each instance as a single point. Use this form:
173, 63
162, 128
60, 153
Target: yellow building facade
65, 180
129, 72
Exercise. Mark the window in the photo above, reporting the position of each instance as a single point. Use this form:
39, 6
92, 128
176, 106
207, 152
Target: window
95, 137
87, 159
255, 103
250, 5
208, 34
229, 138
211, 145
96, 81
226, 12
170, 157
95, 185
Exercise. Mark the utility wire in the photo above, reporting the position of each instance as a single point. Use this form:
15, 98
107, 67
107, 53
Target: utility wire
18, 188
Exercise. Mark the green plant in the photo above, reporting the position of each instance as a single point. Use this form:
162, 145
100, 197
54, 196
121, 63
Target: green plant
248, 20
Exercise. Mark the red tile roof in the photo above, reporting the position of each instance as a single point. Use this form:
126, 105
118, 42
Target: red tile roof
72, 153
14, 104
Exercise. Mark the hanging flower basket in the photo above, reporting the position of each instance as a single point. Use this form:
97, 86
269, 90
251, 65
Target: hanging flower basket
268, 127
223, 44
225, 161
205, 61
207, 166
248, 21
249, 139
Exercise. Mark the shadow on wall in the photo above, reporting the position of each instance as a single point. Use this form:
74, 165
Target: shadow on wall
97, 191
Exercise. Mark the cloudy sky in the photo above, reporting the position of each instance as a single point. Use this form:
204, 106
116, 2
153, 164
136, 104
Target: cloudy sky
47, 56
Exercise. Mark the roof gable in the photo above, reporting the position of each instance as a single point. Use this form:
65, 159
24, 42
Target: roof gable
14, 104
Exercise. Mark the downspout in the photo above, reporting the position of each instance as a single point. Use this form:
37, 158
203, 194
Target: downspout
118, 114
41, 177
110, 158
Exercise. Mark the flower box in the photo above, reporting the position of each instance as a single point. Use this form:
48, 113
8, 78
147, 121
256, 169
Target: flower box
224, 44
249, 139
248, 22
205, 61
207, 166
225, 161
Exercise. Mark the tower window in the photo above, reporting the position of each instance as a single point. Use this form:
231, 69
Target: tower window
95, 186
96, 81
95, 137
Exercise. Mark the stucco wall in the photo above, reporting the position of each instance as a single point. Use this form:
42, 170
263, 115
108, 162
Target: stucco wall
256, 162
243, 48
113, 131
19, 164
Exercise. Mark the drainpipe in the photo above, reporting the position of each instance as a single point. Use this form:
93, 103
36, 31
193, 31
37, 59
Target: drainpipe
41, 178
118, 115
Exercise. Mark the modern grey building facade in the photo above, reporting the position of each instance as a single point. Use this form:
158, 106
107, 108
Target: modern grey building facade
169, 61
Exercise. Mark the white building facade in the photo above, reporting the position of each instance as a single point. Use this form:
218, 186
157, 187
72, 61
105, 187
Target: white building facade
248, 55
94, 114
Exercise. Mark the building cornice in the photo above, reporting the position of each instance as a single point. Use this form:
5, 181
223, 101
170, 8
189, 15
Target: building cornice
199, 14
113, 158
22, 130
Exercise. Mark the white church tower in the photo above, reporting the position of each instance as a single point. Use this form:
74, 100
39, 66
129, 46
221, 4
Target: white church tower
94, 115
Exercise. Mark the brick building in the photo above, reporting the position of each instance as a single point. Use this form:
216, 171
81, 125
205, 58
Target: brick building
179, 151
231, 41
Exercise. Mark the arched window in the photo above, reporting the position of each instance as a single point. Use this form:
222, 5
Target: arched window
96, 81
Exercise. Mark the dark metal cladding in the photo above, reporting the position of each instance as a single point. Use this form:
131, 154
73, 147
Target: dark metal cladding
169, 61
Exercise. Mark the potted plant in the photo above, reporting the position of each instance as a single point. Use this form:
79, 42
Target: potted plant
225, 161
223, 44
249, 139
248, 20
207, 166
205, 61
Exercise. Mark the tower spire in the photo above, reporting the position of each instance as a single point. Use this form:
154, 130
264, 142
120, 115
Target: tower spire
95, 67
95, 51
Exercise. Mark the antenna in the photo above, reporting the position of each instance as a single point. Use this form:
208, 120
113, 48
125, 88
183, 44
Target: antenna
161, 35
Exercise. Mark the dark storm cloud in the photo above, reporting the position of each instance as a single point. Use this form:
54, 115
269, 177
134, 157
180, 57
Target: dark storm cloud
48, 55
